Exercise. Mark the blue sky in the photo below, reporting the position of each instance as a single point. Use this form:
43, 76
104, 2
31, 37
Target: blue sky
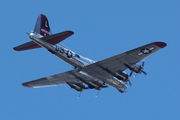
102, 29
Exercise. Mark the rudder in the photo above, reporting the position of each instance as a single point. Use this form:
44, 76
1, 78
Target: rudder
42, 26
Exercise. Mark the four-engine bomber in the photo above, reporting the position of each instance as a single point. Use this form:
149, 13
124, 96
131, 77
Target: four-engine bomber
87, 74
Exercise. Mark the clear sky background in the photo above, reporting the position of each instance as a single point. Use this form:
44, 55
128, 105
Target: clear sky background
102, 28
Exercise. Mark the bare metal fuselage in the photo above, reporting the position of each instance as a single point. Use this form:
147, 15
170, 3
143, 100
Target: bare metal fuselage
77, 61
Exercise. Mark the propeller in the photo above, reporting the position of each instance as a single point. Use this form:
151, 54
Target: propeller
138, 69
141, 67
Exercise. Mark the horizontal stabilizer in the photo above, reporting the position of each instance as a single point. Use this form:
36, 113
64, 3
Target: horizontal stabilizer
53, 39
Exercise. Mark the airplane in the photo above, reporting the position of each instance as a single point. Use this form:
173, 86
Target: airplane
87, 74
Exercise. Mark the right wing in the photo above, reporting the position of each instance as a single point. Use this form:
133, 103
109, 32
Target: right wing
59, 79
101, 69
53, 39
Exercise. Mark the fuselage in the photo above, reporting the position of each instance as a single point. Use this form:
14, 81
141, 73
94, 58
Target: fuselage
75, 60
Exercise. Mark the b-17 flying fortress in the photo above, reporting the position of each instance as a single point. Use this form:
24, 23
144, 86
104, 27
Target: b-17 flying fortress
87, 74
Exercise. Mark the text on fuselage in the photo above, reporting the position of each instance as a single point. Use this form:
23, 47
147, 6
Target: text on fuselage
62, 50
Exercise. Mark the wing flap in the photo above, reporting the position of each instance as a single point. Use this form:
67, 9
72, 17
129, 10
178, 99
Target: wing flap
58, 79
53, 39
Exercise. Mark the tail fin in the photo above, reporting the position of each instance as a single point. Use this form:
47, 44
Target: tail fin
42, 26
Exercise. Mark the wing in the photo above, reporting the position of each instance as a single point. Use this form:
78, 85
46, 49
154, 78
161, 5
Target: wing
53, 39
116, 63
58, 79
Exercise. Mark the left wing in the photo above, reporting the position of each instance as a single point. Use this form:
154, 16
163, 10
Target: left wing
116, 63
59, 79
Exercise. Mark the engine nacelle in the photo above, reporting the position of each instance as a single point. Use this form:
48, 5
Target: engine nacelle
95, 85
120, 90
119, 75
77, 86
136, 69
122, 76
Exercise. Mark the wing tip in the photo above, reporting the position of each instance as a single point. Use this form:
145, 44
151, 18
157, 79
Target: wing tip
160, 44
26, 85
16, 49
70, 32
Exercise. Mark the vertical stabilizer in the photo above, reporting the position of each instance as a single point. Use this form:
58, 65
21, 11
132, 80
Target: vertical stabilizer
42, 26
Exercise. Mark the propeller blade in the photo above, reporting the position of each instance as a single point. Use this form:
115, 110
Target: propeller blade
130, 84
144, 72
143, 63
97, 93
135, 75
131, 73
79, 95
